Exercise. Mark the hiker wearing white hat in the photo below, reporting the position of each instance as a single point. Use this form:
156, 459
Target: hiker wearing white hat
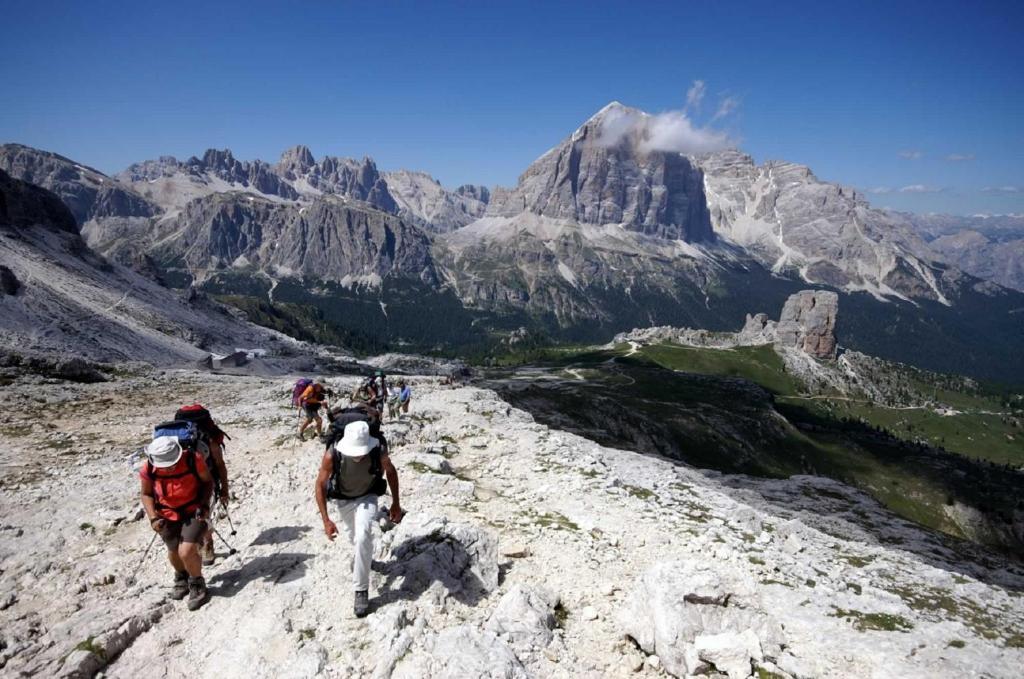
352, 473
176, 486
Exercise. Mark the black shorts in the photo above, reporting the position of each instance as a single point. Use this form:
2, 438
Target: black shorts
188, 531
312, 411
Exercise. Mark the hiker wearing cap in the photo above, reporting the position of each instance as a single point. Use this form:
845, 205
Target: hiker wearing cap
352, 474
311, 401
176, 487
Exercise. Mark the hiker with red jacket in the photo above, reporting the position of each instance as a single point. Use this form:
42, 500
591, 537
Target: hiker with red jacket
312, 399
176, 489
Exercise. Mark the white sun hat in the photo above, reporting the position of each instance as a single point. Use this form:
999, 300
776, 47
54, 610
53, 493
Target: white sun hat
164, 451
357, 440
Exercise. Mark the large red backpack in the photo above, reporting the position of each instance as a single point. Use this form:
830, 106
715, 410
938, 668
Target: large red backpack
177, 489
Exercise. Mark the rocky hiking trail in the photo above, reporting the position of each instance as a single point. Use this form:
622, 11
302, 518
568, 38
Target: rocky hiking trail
526, 552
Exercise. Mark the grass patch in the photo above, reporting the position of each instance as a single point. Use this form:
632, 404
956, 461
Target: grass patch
641, 493
883, 622
756, 560
90, 646
757, 364
956, 643
552, 520
15, 430
307, 633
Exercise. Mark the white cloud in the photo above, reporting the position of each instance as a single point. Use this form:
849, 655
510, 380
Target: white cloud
671, 131
1002, 189
920, 188
695, 95
959, 157
725, 107
911, 154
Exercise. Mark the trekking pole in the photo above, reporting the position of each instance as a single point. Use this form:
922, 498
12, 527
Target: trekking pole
231, 550
131, 576
230, 522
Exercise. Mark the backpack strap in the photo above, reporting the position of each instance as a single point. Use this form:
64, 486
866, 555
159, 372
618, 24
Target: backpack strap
190, 462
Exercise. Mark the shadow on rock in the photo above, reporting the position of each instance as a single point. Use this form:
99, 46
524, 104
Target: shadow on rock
274, 569
280, 535
447, 559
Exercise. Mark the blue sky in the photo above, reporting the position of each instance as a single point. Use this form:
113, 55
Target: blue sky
879, 96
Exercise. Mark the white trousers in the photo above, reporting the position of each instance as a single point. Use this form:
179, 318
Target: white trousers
358, 516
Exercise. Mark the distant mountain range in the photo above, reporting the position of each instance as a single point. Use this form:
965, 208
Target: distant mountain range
986, 246
603, 233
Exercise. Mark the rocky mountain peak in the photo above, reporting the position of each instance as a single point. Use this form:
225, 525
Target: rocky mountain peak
604, 174
296, 162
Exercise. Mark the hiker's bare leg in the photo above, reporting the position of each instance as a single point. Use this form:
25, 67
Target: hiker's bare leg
302, 428
176, 562
319, 426
188, 556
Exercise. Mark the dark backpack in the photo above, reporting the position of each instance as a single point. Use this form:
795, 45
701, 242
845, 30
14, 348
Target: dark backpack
341, 418
378, 487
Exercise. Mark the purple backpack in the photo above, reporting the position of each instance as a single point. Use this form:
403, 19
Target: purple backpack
300, 387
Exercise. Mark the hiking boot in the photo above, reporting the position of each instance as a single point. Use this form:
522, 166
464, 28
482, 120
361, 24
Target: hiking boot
362, 604
206, 551
180, 589
197, 593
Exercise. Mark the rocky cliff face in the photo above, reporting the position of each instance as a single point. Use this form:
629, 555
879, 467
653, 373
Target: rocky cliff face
422, 199
326, 239
808, 323
794, 223
88, 193
25, 206
593, 179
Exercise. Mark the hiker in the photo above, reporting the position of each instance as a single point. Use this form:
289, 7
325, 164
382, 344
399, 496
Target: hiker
297, 391
352, 473
176, 487
379, 382
211, 446
311, 401
363, 393
404, 396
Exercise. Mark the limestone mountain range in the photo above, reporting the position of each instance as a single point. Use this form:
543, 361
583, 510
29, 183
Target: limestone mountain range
601, 234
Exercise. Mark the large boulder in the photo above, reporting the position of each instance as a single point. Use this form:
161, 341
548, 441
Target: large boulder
694, 616
526, 615
808, 323
450, 558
